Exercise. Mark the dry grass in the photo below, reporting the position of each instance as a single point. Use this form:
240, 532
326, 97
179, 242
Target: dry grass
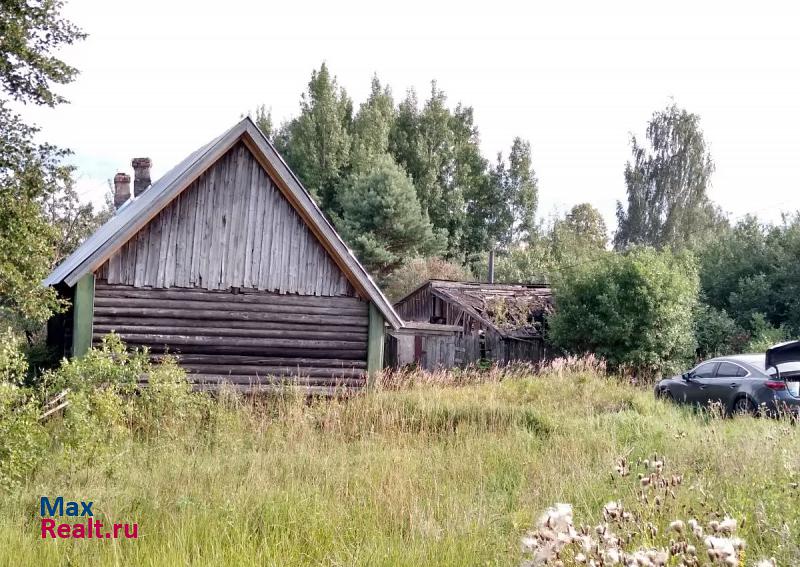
444, 469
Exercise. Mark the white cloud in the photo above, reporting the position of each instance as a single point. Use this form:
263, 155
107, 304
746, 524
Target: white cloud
161, 78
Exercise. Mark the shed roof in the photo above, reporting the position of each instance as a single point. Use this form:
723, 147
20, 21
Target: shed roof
131, 218
513, 310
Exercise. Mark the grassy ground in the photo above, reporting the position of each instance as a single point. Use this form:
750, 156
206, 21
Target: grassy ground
433, 475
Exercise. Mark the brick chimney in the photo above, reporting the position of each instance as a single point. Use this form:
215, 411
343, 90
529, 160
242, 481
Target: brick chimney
122, 189
141, 174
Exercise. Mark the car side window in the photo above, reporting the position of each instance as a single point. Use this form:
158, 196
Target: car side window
741, 373
705, 370
728, 370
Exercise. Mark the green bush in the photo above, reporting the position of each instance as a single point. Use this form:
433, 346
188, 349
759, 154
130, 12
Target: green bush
104, 392
764, 335
13, 364
106, 406
634, 310
716, 332
23, 440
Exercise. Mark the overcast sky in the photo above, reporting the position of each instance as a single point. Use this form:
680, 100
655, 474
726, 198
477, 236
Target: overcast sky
159, 79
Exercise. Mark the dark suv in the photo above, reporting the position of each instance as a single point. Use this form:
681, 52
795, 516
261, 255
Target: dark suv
745, 383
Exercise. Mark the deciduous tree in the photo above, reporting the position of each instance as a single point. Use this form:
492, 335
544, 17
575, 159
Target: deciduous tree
667, 183
317, 143
30, 172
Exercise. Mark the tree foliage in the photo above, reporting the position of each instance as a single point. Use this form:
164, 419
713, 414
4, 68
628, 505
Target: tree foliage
752, 272
667, 183
634, 309
30, 34
417, 271
72, 220
472, 205
382, 221
317, 143
30, 172
580, 236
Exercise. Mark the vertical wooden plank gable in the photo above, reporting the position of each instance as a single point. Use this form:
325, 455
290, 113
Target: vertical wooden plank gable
230, 228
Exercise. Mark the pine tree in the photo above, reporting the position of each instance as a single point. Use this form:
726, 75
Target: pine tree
381, 218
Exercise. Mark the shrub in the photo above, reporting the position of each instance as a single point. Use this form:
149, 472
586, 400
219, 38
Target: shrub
13, 364
716, 332
764, 335
633, 309
107, 404
23, 440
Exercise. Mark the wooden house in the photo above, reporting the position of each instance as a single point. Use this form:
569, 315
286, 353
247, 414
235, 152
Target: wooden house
498, 322
228, 263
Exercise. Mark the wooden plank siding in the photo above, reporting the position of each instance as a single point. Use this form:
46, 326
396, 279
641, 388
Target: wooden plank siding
230, 228
249, 337
478, 339
230, 280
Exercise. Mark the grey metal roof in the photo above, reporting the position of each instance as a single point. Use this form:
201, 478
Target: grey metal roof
108, 238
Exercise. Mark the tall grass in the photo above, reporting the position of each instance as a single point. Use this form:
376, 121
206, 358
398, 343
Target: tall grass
447, 469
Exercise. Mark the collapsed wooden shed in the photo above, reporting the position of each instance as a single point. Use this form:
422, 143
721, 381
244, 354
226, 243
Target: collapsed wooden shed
228, 263
498, 322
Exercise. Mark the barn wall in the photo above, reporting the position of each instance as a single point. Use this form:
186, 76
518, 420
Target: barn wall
249, 337
230, 228
417, 307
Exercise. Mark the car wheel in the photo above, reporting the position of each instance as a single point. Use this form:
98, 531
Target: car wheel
666, 395
744, 406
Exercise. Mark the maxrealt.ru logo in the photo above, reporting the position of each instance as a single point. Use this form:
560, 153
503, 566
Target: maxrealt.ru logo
87, 528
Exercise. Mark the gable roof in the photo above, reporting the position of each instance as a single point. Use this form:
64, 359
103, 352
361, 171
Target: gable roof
90, 255
512, 310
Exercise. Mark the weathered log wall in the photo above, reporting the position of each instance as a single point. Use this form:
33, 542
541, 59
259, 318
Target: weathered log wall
232, 227
246, 337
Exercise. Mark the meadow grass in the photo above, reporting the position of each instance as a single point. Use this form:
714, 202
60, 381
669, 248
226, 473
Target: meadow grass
426, 475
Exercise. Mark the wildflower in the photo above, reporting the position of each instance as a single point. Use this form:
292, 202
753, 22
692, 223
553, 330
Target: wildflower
611, 556
622, 467
767, 563
727, 525
557, 518
677, 526
612, 510
724, 550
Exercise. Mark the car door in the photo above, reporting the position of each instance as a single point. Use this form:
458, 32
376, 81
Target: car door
698, 386
727, 383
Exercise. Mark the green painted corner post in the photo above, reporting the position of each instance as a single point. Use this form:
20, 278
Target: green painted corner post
374, 344
82, 315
